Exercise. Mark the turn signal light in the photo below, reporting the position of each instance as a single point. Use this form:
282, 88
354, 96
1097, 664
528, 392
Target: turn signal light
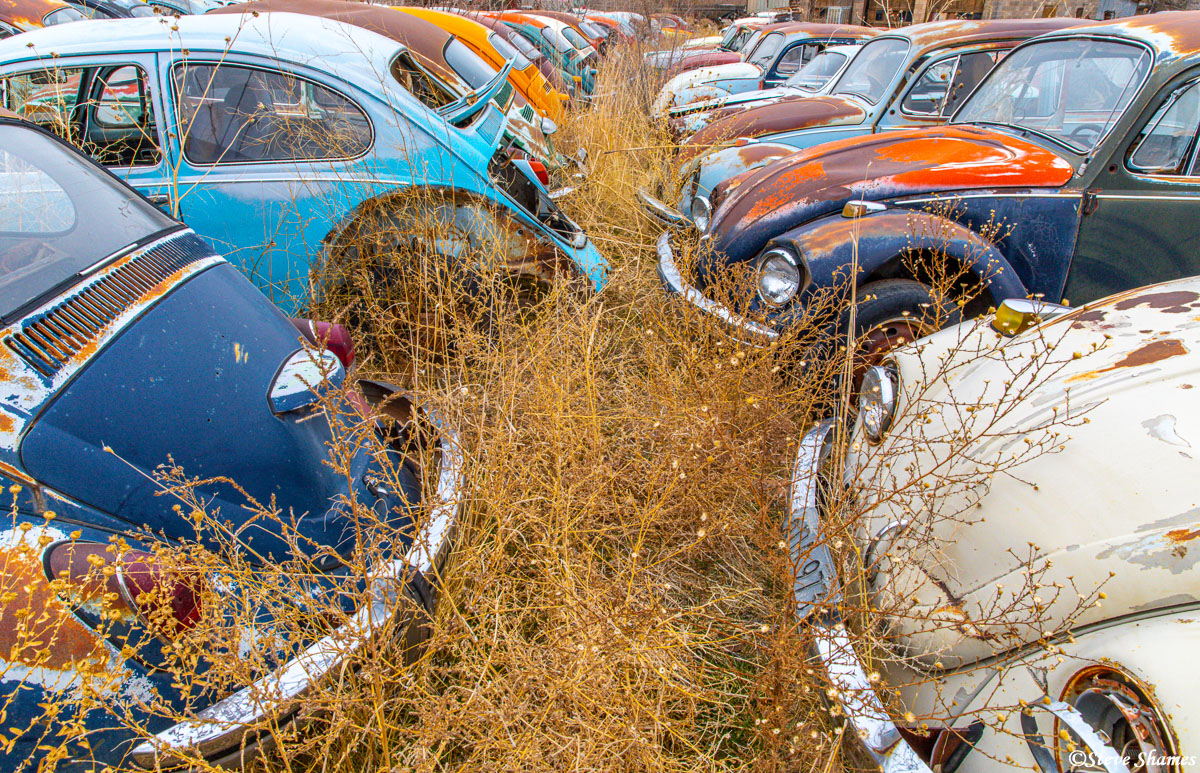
328, 335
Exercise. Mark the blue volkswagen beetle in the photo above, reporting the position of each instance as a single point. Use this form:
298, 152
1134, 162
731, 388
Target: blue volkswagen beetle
274, 135
126, 343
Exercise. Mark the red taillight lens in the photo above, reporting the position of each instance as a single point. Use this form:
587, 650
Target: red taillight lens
539, 169
336, 338
133, 582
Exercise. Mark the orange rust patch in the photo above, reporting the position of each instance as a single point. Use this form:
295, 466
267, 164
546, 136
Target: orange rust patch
1155, 351
1183, 535
36, 628
1171, 301
783, 185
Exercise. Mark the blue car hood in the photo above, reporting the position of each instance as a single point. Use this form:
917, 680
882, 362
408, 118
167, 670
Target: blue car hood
187, 382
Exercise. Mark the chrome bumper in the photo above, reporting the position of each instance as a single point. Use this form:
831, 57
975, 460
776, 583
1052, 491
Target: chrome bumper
231, 731
815, 593
662, 212
669, 273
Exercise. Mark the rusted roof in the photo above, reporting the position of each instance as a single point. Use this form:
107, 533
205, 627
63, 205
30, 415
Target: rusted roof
934, 34
424, 40
820, 29
27, 14
1175, 31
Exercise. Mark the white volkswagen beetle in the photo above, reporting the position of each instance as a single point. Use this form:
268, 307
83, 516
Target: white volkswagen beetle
1021, 494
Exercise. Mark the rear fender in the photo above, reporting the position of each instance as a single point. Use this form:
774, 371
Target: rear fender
453, 223
878, 243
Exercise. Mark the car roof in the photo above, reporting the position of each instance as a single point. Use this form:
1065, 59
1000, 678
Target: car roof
934, 34
818, 29
425, 40
27, 14
1174, 33
354, 54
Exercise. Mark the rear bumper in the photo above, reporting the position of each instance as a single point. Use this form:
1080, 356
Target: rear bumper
815, 593
231, 732
744, 329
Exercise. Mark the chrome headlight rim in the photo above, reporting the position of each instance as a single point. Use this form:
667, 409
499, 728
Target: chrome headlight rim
796, 265
701, 213
879, 400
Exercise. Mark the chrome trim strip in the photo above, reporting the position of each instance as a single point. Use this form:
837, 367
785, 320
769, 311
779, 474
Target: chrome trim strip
222, 726
674, 281
661, 211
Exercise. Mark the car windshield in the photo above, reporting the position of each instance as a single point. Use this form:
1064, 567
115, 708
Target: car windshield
61, 16
575, 38
764, 53
59, 215
519, 42
135, 7
560, 43
591, 30
510, 54
873, 69
818, 71
476, 72
1070, 91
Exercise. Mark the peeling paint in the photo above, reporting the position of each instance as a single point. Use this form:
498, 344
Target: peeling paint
1163, 428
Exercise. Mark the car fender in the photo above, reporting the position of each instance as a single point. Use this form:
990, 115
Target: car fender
830, 246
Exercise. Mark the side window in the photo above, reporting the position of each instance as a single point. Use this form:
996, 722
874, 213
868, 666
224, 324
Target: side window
794, 57
1168, 142
929, 90
6, 31
971, 69
235, 115
120, 129
105, 111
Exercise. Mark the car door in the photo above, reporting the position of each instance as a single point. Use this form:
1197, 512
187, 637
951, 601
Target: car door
1141, 214
268, 161
937, 91
107, 106
789, 62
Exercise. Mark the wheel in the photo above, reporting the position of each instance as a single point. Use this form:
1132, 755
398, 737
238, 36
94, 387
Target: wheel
893, 312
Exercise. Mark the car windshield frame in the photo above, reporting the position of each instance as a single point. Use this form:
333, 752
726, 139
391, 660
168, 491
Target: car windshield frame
63, 15
862, 60
108, 220
819, 57
1018, 58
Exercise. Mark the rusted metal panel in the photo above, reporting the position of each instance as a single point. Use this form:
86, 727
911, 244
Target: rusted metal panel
789, 114
27, 14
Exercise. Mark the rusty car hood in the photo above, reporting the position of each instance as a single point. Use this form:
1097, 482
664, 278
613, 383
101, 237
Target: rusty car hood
783, 115
819, 180
1100, 498
705, 59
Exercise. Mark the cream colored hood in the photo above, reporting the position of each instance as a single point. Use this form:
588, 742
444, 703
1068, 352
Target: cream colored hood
1039, 470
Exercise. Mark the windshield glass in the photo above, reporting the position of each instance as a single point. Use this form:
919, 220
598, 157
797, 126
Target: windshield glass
575, 38
873, 69
476, 72
1070, 91
818, 71
591, 30
559, 42
59, 215
61, 16
523, 45
729, 36
764, 53
510, 54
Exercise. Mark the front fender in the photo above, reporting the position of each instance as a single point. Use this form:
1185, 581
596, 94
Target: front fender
831, 246
720, 165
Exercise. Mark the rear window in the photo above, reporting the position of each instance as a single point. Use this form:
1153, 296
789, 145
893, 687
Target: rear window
576, 39
476, 72
510, 54
59, 215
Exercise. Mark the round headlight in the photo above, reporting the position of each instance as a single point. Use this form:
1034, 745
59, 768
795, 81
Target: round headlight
701, 213
778, 277
877, 400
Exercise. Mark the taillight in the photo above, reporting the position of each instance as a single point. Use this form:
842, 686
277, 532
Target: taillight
116, 584
328, 335
539, 169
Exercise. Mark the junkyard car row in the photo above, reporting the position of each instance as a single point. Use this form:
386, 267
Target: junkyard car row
183, 170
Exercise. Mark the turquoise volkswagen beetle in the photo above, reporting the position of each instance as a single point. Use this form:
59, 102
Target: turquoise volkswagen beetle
275, 136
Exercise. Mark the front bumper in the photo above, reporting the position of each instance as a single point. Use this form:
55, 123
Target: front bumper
662, 212
815, 593
749, 331
232, 731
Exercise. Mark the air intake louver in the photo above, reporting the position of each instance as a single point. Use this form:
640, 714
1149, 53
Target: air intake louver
49, 341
